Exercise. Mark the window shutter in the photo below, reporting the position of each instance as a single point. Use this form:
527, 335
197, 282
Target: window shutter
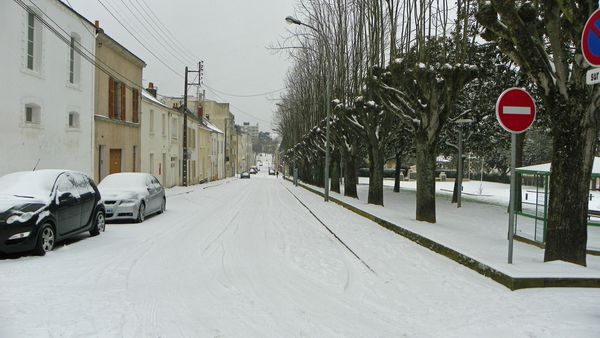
123, 102
111, 98
135, 105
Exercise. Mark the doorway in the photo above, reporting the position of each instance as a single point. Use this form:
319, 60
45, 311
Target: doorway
115, 161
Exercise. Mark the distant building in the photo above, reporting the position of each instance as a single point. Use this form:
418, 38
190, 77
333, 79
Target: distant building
220, 115
47, 87
252, 131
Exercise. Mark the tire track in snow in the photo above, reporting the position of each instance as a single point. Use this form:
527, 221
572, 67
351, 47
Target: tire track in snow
330, 231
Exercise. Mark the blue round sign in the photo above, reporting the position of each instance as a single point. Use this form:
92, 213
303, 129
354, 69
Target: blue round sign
590, 41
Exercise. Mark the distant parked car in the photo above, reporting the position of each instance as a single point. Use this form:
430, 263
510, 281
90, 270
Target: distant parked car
40, 208
245, 174
132, 196
271, 171
253, 170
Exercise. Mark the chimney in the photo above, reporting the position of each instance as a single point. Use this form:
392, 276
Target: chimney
97, 23
200, 111
151, 89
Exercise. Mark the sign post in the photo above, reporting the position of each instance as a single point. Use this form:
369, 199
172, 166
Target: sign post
590, 46
515, 111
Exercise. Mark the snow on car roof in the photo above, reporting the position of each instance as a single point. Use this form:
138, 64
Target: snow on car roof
37, 184
123, 181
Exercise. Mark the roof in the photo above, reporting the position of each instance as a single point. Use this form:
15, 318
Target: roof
546, 168
211, 126
151, 98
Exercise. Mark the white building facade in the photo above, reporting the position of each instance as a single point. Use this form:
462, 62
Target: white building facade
48, 87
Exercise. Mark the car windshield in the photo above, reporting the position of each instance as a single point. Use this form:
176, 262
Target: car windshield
28, 184
124, 181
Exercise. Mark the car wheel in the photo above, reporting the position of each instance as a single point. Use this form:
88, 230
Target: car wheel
45, 241
163, 206
99, 224
141, 213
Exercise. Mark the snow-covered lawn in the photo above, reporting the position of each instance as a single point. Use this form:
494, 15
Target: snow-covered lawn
243, 258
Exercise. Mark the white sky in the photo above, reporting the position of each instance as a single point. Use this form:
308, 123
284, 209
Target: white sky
231, 37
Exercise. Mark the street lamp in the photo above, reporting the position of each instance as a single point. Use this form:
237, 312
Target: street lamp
459, 175
293, 21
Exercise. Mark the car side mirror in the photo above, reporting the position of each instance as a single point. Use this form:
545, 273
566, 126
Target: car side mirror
65, 197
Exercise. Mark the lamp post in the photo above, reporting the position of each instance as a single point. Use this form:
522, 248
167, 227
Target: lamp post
294, 21
459, 175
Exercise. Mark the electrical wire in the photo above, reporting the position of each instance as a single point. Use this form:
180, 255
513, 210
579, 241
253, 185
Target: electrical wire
237, 108
152, 23
146, 29
78, 47
138, 40
245, 95
168, 32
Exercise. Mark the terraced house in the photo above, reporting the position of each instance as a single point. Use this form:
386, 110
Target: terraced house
48, 87
117, 108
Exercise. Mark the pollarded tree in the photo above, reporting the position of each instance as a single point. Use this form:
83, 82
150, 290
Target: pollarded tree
543, 38
424, 96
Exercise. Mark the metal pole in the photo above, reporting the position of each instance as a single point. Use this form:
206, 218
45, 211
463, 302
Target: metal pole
185, 148
459, 175
511, 208
327, 135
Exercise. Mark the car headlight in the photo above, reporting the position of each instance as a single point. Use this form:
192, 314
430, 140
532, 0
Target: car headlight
128, 202
22, 218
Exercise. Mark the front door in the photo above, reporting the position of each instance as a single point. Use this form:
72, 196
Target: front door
68, 213
115, 161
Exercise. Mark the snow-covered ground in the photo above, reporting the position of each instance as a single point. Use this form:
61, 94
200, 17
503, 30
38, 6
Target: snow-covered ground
496, 194
243, 258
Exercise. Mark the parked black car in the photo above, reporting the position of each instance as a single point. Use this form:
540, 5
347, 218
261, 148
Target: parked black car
245, 174
39, 208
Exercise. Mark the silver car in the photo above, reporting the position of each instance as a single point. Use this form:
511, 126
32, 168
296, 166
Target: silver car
132, 196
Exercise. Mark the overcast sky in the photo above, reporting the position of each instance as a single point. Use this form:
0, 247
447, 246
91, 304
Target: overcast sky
231, 37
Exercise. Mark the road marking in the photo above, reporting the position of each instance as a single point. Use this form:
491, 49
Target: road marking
512, 110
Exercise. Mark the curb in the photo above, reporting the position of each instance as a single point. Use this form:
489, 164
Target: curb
513, 283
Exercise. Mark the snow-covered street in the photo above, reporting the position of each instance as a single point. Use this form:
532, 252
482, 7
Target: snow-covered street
244, 258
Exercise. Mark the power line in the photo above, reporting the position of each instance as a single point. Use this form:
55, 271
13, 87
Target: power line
173, 37
138, 40
78, 48
145, 27
237, 108
153, 25
245, 95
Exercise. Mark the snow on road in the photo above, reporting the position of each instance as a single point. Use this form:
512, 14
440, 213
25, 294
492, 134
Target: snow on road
246, 259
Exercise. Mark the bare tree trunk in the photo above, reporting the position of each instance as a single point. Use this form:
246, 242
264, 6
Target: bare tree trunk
350, 178
569, 188
397, 173
376, 162
335, 172
426, 154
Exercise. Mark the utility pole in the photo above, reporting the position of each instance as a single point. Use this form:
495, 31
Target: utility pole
185, 115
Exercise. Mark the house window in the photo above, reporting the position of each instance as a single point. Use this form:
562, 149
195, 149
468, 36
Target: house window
30, 39
32, 114
164, 128
135, 105
151, 121
116, 99
73, 120
174, 128
33, 41
74, 60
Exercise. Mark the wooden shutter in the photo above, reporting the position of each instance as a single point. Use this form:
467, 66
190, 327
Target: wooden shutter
123, 102
135, 105
111, 98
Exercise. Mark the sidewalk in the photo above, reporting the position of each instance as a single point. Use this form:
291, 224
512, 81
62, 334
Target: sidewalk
475, 236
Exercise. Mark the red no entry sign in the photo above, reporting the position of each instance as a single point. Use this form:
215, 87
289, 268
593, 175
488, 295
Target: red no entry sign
515, 110
590, 41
